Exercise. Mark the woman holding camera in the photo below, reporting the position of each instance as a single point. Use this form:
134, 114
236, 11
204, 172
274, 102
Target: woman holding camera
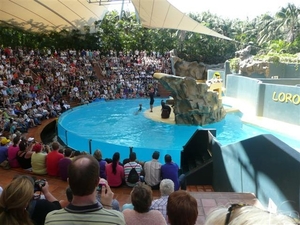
20, 205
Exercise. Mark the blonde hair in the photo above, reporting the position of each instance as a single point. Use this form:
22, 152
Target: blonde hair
247, 215
14, 200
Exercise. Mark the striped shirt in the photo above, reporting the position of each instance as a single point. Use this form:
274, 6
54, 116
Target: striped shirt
128, 167
80, 215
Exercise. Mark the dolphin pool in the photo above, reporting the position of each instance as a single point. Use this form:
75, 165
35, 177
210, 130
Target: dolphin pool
115, 126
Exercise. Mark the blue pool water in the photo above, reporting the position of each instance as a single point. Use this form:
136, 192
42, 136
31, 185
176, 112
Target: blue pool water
115, 126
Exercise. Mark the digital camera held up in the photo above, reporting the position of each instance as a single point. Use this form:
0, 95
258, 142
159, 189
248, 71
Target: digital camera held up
38, 184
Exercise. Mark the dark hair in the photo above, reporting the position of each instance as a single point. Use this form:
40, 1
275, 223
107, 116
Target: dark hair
141, 197
77, 153
115, 162
168, 158
132, 156
83, 173
55, 146
16, 140
68, 152
182, 208
22, 145
155, 155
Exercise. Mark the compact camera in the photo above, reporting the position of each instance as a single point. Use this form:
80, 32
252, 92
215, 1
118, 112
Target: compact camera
38, 184
99, 188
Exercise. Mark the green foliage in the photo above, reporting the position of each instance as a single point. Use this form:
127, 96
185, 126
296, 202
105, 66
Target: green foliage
269, 35
234, 64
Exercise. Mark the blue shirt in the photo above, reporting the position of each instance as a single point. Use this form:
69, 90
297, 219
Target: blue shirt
3, 153
170, 171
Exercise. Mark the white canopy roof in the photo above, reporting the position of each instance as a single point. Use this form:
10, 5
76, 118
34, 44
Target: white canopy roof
162, 14
43, 15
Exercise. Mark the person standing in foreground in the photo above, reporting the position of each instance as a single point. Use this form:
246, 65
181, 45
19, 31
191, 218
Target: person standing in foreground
151, 95
83, 179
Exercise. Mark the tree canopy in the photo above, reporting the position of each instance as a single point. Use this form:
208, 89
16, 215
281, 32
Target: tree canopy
266, 34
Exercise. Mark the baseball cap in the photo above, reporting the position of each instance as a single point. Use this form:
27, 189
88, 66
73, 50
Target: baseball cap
4, 141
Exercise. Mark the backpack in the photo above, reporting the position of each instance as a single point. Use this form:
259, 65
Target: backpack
133, 176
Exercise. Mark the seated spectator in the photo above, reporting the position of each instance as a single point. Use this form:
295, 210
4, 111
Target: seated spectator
14, 201
132, 177
102, 163
83, 174
64, 163
141, 198
25, 152
246, 214
166, 187
4, 163
52, 160
182, 208
152, 171
115, 172
170, 171
114, 204
38, 159
39, 207
12, 153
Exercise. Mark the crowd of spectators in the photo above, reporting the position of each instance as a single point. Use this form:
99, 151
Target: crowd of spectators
36, 86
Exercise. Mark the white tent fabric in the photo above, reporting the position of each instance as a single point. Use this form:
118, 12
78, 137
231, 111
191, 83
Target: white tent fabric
45, 15
162, 14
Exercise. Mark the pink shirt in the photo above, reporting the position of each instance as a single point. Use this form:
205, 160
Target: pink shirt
114, 180
12, 156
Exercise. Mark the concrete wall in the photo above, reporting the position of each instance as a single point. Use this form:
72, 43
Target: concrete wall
282, 70
268, 99
243, 88
280, 102
262, 165
283, 81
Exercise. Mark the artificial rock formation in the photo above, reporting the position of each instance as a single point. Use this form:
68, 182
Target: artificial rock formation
249, 66
193, 103
183, 68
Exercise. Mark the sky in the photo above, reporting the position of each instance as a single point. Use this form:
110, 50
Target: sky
231, 9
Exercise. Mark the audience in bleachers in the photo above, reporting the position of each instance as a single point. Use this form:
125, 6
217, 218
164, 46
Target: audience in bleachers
152, 170
182, 208
115, 171
25, 152
170, 171
64, 163
102, 163
141, 198
12, 152
166, 187
4, 163
131, 181
38, 159
52, 160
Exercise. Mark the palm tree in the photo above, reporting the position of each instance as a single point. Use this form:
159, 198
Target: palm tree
289, 21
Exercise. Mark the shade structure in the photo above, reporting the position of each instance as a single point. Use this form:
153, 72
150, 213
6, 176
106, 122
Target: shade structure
162, 14
45, 15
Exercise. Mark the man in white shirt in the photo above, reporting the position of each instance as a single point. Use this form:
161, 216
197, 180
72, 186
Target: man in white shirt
152, 171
